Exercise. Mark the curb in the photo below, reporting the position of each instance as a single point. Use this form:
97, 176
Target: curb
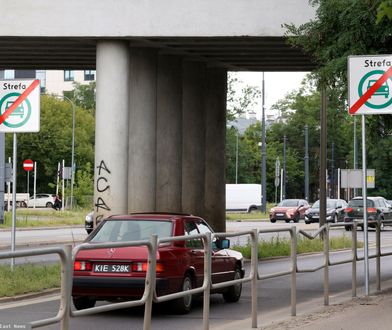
29, 295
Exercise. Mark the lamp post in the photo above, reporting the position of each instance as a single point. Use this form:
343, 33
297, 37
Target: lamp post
72, 143
263, 156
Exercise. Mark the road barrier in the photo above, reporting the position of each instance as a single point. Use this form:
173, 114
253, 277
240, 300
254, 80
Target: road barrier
67, 257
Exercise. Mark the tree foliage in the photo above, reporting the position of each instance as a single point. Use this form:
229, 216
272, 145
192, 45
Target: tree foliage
53, 142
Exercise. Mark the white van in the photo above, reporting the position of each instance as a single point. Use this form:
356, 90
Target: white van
243, 197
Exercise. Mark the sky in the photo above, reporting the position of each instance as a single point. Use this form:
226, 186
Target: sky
277, 84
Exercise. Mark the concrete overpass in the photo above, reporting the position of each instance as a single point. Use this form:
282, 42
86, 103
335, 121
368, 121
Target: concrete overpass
161, 85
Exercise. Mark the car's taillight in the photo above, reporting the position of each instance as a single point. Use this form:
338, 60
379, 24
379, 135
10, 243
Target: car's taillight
83, 265
348, 209
372, 210
142, 267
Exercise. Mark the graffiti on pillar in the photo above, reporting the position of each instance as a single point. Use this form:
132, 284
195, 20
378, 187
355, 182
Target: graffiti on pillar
102, 185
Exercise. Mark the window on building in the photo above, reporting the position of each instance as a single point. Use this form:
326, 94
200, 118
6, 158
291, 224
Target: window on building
69, 75
9, 74
89, 75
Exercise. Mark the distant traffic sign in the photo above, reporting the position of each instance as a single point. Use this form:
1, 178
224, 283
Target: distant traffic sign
28, 165
19, 106
370, 82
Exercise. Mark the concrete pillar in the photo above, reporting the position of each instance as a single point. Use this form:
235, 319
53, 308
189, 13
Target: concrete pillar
193, 142
111, 133
215, 179
142, 130
169, 134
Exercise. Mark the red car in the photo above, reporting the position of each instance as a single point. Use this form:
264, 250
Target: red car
289, 209
119, 273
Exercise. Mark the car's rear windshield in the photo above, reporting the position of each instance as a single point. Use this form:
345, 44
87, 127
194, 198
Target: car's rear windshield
359, 203
131, 230
288, 202
330, 204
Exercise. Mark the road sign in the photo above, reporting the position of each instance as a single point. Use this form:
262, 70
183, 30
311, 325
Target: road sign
19, 106
28, 165
370, 83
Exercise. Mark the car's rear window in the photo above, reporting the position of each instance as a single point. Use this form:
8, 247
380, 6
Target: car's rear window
359, 203
131, 230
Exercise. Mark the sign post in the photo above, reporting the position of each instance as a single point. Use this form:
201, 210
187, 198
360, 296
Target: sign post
28, 165
369, 79
19, 112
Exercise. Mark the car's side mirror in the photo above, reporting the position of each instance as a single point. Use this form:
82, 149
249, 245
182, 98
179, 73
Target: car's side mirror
222, 243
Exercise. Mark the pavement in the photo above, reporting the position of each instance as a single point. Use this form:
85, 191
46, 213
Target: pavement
362, 313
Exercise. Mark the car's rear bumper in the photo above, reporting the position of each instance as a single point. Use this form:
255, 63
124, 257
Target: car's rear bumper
113, 286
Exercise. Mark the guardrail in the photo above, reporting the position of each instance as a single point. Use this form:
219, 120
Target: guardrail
149, 296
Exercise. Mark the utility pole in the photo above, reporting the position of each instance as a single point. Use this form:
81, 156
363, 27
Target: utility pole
306, 163
323, 156
284, 169
333, 170
263, 154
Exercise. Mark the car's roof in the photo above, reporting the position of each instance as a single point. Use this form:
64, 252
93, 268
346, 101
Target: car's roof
149, 216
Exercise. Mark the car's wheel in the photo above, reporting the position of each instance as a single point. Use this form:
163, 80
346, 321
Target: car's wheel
252, 209
233, 293
49, 204
307, 222
296, 218
89, 231
183, 305
273, 220
382, 226
348, 228
23, 204
335, 218
287, 221
83, 302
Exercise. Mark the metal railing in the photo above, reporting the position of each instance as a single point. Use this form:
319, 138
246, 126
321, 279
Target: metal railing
149, 296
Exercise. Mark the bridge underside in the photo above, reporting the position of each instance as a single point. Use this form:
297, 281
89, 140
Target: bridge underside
232, 53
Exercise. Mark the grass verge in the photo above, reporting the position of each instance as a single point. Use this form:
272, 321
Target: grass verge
281, 247
42, 218
28, 278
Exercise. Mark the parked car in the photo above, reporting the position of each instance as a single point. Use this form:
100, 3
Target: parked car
377, 209
335, 211
289, 209
243, 197
119, 274
42, 200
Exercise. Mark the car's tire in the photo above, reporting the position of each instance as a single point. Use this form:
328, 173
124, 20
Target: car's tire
83, 302
335, 218
89, 231
348, 228
307, 222
297, 217
287, 221
23, 204
252, 209
49, 204
273, 220
233, 293
183, 305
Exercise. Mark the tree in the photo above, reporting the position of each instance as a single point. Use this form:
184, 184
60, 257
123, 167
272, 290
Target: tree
240, 99
52, 143
83, 95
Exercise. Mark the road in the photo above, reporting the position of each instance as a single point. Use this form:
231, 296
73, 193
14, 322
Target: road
274, 300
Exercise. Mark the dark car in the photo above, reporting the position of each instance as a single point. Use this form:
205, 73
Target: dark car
289, 209
377, 209
119, 274
335, 211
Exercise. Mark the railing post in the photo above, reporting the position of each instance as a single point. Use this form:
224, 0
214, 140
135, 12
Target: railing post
254, 264
150, 280
378, 254
293, 234
326, 265
355, 258
66, 286
207, 274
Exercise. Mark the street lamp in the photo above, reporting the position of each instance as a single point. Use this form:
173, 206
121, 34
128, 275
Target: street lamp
72, 145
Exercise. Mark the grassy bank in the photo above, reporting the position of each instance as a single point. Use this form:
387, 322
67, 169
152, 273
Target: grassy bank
45, 217
28, 278
280, 247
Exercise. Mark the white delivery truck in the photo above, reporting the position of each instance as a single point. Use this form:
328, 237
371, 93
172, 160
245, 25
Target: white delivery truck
243, 197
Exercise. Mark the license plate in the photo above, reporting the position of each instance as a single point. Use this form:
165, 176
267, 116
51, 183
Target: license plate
111, 268
280, 214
